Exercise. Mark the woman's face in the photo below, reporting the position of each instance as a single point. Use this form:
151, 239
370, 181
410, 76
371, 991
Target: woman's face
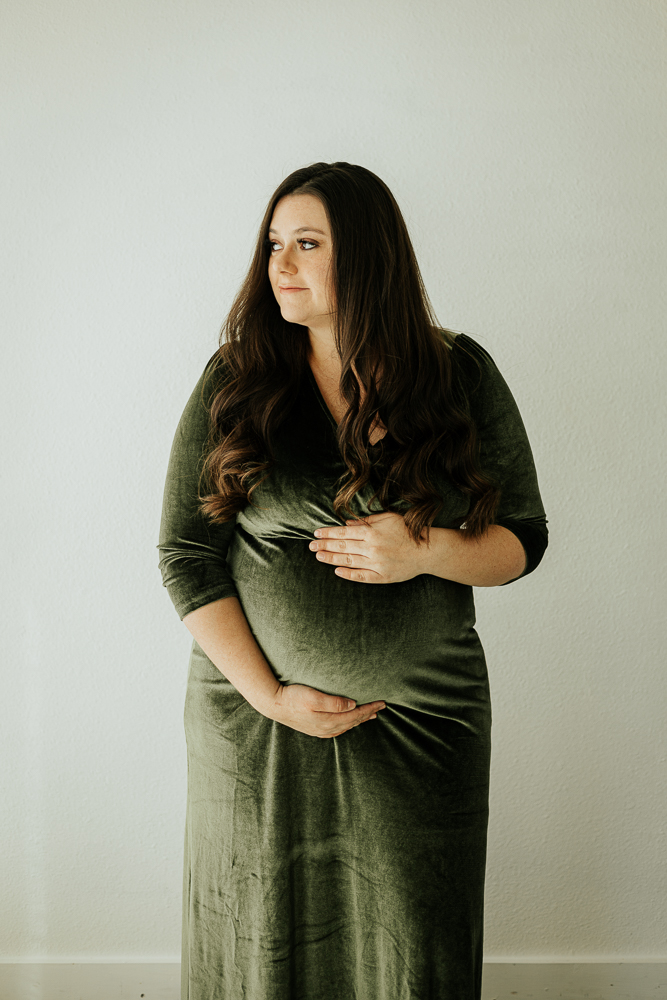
301, 251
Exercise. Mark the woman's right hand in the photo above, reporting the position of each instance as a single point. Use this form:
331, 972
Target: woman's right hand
315, 713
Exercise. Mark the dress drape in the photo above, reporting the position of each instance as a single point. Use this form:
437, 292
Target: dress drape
349, 868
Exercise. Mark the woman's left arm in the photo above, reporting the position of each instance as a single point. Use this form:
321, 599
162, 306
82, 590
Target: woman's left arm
515, 543
378, 548
496, 558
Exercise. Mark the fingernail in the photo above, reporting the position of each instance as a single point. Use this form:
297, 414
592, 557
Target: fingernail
351, 704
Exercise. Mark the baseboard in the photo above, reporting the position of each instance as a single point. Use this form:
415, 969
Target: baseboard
90, 980
95, 960
488, 959
503, 979
575, 960
574, 980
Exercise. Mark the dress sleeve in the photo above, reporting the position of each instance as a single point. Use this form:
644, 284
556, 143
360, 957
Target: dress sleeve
192, 549
505, 453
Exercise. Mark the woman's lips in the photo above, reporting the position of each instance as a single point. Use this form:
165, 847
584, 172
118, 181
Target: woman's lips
293, 289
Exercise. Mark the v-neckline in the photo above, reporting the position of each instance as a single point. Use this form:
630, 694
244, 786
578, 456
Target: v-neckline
323, 403
320, 397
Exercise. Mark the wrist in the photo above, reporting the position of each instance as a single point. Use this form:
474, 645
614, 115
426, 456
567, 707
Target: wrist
268, 701
429, 554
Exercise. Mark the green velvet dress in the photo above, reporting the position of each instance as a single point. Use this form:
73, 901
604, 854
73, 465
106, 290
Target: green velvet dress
348, 868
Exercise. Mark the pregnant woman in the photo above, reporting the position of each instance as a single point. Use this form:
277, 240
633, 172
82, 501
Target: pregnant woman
343, 474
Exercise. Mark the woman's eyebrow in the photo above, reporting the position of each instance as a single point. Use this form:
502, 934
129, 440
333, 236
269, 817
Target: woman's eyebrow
303, 229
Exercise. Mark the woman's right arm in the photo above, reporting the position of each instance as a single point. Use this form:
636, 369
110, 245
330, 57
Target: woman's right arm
194, 570
221, 629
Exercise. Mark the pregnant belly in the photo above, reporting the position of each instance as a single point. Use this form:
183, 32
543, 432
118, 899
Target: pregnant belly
411, 643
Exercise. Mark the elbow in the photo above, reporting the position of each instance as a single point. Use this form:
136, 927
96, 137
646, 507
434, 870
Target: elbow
517, 569
514, 558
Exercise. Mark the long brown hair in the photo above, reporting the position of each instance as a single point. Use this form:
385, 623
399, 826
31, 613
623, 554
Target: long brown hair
384, 329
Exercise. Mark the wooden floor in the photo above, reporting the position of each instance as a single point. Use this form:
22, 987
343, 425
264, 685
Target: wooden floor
620, 981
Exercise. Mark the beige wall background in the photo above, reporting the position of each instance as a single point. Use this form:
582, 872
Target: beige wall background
525, 141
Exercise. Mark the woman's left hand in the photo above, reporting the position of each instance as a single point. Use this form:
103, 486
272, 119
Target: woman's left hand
377, 549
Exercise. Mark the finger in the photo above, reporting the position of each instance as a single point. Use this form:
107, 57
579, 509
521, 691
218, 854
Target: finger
360, 710
335, 704
352, 560
341, 532
358, 575
369, 518
334, 550
338, 545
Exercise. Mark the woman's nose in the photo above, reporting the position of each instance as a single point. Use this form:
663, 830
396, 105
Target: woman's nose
283, 262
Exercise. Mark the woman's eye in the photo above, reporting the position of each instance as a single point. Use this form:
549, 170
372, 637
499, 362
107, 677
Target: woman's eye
271, 243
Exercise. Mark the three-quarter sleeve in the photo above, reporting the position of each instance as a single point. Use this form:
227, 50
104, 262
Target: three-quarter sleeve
505, 454
192, 549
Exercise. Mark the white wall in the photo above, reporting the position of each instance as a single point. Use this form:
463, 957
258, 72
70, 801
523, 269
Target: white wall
525, 141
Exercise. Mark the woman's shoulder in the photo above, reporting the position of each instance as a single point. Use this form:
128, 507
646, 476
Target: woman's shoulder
217, 371
462, 343
472, 362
